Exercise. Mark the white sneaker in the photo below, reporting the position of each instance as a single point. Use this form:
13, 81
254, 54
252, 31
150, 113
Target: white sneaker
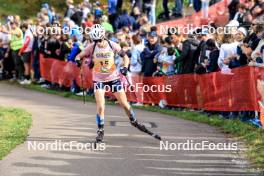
13, 79
46, 86
81, 94
25, 82
137, 104
41, 80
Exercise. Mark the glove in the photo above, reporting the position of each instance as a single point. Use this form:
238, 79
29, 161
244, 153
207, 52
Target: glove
124, 71
79, 63
91, 64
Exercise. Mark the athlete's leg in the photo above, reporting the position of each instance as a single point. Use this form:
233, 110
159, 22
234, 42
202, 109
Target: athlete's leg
100, 106
122, 100
100, 102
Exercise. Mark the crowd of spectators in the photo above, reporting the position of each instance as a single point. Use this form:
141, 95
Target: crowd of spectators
151, 54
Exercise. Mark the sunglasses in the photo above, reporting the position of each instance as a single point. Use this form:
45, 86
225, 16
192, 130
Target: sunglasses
98, 41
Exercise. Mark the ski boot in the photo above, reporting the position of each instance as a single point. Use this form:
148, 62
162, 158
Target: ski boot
100, 135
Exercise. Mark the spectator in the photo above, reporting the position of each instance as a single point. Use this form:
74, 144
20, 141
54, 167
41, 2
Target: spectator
49, 12
77, 16
257, 55
149, 53
2, 55
211, 57
70, 9
65, 47
189, 47
178, 8
26, 52
89, 21
241, 59
107, 26
205, 8
97, 10
200, 54
43, 16
36, 52
112, 11
228, 51
74, 30
232, 8
5, 39
212, 54
137, 49
119, 4
258, 9
166, 9
166, 62
177, 42
86, 9
125, 20
252, 41
52, 47
75, 49
136, 13
240, 13
197, 5
137, 3
16, 43
166, 58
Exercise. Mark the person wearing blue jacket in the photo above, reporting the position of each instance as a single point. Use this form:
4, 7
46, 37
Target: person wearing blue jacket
153, 48
75, 50
112, 11
125, 20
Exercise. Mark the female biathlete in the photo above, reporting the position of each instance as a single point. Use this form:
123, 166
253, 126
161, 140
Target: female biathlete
105, 74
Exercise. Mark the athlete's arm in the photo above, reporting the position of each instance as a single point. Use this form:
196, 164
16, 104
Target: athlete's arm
84, 53
80, 56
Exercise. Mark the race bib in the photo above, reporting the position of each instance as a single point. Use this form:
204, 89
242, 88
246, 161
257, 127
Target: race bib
104, 62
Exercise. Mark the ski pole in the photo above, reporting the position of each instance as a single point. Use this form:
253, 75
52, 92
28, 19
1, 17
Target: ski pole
84, 98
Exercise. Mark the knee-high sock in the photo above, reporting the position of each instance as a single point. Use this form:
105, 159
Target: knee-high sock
131, 115
99, 121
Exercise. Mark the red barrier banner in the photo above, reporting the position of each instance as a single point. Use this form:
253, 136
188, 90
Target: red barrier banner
235, 91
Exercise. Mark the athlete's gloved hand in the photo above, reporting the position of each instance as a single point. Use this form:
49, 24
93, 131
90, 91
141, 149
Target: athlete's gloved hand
79, 63
124, 71
91, 64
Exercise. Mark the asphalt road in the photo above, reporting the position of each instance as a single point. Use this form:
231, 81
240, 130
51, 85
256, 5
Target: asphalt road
128, 152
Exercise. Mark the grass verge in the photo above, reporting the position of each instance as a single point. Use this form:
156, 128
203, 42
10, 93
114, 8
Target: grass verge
253, 137
14, 125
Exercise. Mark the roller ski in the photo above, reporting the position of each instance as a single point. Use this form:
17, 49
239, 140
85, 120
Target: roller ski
142, 127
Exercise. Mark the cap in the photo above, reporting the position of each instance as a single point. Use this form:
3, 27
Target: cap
242, 30
233, 23
153, 34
